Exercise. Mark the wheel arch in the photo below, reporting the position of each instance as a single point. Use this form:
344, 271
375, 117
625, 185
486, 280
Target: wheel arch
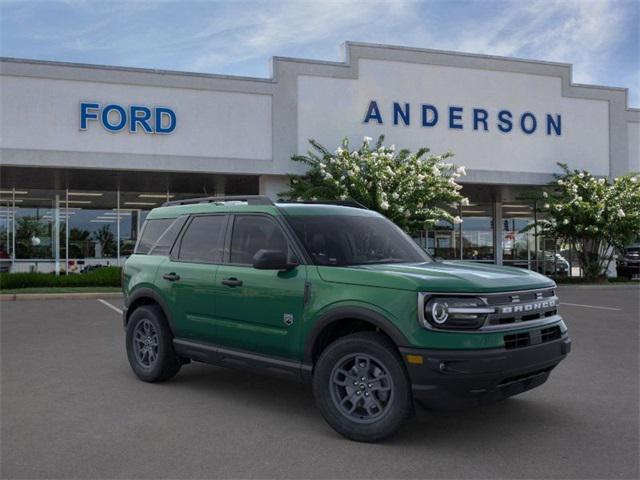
147, 296
330, 321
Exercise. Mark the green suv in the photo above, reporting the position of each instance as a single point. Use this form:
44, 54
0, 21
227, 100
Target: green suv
339, 297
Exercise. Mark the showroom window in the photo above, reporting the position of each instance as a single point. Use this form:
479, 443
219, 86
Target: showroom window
477, 232
518, 237
72, 230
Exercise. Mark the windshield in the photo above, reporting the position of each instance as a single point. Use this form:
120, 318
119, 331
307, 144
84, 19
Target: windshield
342, 240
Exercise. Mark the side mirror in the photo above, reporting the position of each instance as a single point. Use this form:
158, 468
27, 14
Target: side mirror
272, 260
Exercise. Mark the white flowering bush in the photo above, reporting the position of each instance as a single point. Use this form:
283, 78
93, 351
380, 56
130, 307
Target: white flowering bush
411, 189
595, 216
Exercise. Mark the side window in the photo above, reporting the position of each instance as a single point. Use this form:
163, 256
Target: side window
252, 233
204, 239
158, 236
163, 245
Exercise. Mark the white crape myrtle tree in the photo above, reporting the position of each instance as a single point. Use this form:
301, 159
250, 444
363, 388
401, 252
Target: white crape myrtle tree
411, 189
595, 216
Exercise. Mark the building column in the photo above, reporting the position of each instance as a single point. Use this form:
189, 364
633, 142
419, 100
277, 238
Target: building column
272, 185
55, 244
219, 184
497, 231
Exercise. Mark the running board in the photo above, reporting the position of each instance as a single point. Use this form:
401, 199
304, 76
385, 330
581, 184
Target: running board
226, 357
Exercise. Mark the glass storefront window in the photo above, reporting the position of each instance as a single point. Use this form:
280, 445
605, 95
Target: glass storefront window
6, 231
477, 232
38, 224
92, 229
518, 239
443, 241
134, 208
73, 230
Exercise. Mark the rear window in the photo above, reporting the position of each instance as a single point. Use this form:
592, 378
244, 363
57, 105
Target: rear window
158, 236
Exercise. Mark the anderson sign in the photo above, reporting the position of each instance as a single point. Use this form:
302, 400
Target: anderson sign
461, 118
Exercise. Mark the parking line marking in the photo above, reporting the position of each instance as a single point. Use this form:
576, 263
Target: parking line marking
590, 306
112, 307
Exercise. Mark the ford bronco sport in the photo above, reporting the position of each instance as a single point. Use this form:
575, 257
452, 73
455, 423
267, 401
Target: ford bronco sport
337, 296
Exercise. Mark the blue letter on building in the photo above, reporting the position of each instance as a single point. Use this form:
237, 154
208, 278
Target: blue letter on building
399, 112
139, 115
169, 127
455, 113
425, 115
557, 125
480, 116
523, 123
504, 118
105, 118
373, 112
85, 114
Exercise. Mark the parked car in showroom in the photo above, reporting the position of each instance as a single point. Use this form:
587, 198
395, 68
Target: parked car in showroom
628, 262
339, 297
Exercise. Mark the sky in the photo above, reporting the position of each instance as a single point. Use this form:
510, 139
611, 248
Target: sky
601, 38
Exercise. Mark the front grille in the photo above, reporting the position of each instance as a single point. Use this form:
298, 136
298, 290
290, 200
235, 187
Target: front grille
519, 307
519, 340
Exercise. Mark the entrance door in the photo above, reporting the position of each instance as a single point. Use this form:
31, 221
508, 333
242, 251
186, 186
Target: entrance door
259, 310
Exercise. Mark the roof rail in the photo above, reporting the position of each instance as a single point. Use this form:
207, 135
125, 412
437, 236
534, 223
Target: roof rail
343, 203
250, 199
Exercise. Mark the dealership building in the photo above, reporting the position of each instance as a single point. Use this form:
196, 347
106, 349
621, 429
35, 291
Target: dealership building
88, 150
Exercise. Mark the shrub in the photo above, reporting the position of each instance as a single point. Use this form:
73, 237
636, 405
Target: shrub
101, 277
408, 188
593, 215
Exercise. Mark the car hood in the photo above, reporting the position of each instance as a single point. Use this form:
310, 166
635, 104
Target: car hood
451, 276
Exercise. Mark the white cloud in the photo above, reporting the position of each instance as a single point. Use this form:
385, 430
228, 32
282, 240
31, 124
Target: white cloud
581, 32
231, 37
277, 26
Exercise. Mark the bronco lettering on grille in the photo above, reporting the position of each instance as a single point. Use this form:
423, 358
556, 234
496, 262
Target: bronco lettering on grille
528, 307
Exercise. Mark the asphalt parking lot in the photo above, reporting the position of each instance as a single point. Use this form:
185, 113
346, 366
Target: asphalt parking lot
71, 407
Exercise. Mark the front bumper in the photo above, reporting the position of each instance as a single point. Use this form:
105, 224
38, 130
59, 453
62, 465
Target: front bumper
460, 378
628, 268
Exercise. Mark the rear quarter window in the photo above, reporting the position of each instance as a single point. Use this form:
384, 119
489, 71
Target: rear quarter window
158, 236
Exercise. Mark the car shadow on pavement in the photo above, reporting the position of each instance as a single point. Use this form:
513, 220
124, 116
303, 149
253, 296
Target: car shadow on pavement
517, 418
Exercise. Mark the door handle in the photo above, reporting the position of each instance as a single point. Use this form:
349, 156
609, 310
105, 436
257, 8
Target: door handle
172, 277
232, 282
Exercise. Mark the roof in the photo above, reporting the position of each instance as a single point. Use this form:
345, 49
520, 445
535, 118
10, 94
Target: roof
173, 210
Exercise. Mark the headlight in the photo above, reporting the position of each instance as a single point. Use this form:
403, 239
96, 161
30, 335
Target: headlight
455, 313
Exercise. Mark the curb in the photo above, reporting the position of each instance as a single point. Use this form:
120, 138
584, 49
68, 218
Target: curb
604, 285
58, 296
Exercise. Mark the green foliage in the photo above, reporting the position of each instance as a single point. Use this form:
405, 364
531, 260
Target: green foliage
26, 229
408, 188
105, 237
101, 277
595, 216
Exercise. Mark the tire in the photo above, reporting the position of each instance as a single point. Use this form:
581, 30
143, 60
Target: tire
384, 400
151, 357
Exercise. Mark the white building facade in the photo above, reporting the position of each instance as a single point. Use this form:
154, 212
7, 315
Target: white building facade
87, 151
